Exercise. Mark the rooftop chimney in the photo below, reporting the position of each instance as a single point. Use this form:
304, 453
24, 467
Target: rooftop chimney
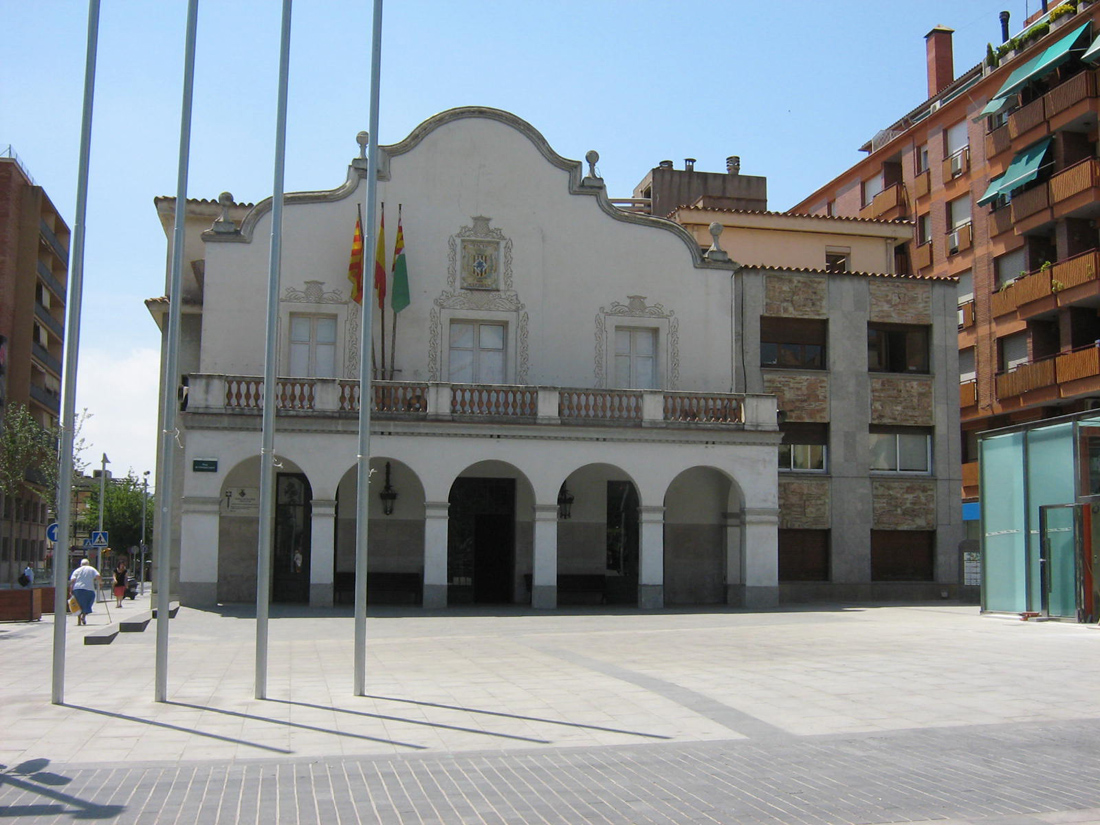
1004, 26
689, 164
733, 164
665, 164
941, 64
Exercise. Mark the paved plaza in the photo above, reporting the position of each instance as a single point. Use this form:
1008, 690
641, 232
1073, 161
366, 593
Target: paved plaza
859, 714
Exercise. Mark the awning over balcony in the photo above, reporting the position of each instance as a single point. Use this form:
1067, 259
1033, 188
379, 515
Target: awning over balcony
1092, 53
1037, 68
1023, 170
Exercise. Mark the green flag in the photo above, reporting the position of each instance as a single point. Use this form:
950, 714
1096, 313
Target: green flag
400, 296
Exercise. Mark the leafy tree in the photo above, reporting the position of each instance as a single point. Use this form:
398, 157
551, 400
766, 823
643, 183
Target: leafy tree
124, 499
28, 464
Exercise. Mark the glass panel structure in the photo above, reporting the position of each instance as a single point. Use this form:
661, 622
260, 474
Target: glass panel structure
1004, 559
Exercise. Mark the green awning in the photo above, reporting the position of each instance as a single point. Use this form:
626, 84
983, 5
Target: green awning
1092, 53
993, 191
1038, 67
1023, 170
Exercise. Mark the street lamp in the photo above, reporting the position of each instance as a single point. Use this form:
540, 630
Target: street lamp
102, 503
144, 508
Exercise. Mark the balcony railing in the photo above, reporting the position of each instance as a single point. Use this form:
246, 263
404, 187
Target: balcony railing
968, 393
51, 282
886, 204
922, 184
42, 355
1073, 181
1004, 300
922, 256
966, 315
1080, 269
959, 239
956, 164
1026, 118
397, 400
51, 323
1028, 203
1000, 221
1081, 363
1079, 87
53, 241
997, 141
1025, 378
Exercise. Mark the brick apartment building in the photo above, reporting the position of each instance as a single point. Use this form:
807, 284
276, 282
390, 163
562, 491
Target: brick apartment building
998, 172
34, 255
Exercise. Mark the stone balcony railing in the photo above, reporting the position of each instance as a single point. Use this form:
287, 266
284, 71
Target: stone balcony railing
496, 403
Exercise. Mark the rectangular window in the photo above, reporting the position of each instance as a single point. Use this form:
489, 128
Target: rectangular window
836, 258
922, 158
804, 448
924, 229
793, 343
897, 348
958, 212
901, 449
803, 555
967, 370
477, 352
956, 139
312, 346
1013, 350
903, 555
636, 358
1010, 266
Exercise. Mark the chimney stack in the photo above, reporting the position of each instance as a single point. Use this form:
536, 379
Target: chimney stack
733, 164
689, 164
665, 164
1004, 26
941, 63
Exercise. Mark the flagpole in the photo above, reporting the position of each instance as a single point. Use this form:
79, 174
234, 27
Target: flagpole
362, 492
170, 377
267, 450
393, 331
382, 292
72, 343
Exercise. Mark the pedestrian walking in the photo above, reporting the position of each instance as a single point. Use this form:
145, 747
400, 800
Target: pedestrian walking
27, 577
82, 587
120, 583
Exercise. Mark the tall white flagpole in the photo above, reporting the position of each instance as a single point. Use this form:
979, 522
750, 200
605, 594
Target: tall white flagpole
72, 344
170, 379
267, 451
362, 492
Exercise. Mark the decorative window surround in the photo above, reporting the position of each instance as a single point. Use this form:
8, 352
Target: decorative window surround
639, 315
314, 299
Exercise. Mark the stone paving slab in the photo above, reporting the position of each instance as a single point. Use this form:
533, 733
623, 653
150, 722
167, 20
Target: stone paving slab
860, 715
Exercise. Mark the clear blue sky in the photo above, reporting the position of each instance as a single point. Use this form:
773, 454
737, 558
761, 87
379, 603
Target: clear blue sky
794, 88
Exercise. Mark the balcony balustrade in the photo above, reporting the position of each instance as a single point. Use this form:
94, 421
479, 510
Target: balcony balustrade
956, 165
887, 205
1000, 221
1081, 177
922, 184
1080, 269
1029, 203
397, 400
968, 393
1082, 363
1004, 300
1025, 378
997, 141
922, 256
1026, 118
1062, 97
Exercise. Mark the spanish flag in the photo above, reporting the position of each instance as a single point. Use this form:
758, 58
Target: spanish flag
355, 267
380, 262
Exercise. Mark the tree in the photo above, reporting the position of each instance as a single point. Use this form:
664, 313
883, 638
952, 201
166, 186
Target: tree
28, 466
124, 499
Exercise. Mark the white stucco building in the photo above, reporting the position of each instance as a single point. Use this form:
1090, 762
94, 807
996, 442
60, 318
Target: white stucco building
567, 420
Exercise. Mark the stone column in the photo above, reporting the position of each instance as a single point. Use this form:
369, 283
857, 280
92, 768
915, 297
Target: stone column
544, 580
651, 564
199, 520
322, 552
435, 553
735, 562
761, 564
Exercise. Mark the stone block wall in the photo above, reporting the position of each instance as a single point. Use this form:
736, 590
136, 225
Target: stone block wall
802, 397
804, 503
903, 401
895, 301
904, 504
796, 296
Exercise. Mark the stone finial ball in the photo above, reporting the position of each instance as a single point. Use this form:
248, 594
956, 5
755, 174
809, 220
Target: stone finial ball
592, 156
225, 198
716, 229
362, 138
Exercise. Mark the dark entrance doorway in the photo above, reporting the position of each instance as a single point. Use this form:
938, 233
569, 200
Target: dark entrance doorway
621, 585
290, 561
481, 541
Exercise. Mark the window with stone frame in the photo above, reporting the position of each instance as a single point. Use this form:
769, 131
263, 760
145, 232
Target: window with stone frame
636, 358
900, 450
897, 348
793, 343
312, 346
804, 448
477, 352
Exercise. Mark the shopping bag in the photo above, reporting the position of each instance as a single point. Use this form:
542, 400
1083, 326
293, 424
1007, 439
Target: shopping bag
74, 605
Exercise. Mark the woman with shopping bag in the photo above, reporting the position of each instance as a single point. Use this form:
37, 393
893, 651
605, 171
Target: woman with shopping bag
82, 587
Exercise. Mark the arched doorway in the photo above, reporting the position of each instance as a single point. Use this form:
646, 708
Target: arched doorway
290, 562
697, 558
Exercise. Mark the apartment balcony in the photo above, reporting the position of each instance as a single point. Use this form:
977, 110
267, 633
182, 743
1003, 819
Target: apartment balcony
1000, 221
42, 355
960, 239
1076, 188
1027, 119
966, 315
887, 205
968, 393
922, 184
1070, 100
1040, 293
1026, 378
922, 256
956, 165
50, 400
47, 320
1005, 300
52, 284
1030, 209
495, 404
53, 242
997, 141
1079, 372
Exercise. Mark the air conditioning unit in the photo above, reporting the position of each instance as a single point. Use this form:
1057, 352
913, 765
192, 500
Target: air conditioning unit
952, 242
957, 164
935, 107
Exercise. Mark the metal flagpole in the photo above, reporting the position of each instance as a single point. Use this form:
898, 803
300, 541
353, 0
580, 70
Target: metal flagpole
169, 380
72, 344
362, 492
267, 450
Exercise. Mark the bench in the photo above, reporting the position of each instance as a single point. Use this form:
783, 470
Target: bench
102, 636
578, 588
138, 623
382, 588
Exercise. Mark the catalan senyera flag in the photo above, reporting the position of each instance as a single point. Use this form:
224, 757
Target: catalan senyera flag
355, 267
400, 298
380, 262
